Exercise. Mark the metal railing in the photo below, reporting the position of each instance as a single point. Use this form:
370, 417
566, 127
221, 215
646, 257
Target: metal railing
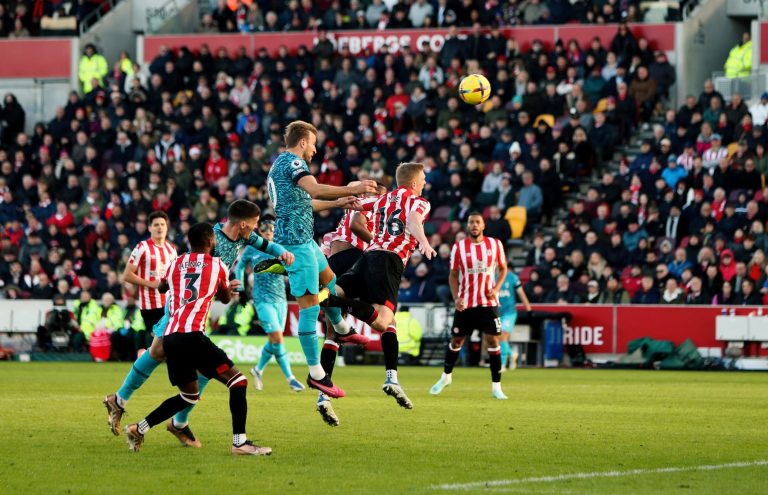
749, 87
91, 19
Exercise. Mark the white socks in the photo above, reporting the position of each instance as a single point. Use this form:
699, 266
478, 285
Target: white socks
392, 375
238, 439
316, 371
447, 378
143, 426
496, 386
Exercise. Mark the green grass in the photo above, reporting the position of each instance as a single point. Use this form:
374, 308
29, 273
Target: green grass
54, 437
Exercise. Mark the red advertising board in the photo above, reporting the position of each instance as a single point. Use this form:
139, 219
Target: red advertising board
764, 42
43, 57
662, 37
602, 329
592, 326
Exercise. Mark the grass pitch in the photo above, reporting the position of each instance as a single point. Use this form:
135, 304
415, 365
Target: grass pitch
562, 431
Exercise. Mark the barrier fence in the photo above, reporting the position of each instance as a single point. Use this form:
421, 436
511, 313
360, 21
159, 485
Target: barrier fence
600, 329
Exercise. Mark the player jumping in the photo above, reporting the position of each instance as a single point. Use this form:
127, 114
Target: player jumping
345, 246
293, 190
271, 307
194, 279
398, 228
475, 285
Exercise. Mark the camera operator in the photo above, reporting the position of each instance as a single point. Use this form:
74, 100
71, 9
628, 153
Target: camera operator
59, 327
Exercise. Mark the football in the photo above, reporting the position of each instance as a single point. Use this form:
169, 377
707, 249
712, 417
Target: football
474, 89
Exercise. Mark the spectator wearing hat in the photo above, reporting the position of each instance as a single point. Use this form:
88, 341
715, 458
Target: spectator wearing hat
673, 174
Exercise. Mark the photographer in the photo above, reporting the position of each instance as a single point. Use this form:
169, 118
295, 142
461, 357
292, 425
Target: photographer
59, 327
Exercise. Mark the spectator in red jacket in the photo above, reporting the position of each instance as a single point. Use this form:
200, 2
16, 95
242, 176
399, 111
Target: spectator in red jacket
62, 219
215, 167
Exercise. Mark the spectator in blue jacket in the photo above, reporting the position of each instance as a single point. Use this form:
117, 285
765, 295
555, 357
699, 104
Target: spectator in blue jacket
673, 173
648, 294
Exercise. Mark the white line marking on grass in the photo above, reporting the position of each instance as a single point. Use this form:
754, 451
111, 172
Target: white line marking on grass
595, 474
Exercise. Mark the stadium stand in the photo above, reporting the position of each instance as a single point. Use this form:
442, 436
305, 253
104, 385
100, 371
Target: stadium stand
578, 148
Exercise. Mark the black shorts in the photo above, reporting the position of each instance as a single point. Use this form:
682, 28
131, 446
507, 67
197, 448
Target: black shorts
375, 278
484, 319
151, 317
343, 261
188, 353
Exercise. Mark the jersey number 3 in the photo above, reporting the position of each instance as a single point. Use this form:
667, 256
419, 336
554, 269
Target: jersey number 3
394, 225
189, 286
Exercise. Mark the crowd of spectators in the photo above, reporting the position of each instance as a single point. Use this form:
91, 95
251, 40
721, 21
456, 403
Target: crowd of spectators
193, 131
25, 18
231, 16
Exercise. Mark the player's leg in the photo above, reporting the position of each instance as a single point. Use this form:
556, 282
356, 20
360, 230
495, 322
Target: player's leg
459, 332
274, 325
491, 326
267, 314
508, 320
178, 426
303, 276
238, 408
134, 433
182, 373
140, 371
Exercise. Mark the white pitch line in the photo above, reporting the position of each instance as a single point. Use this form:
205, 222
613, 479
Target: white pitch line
595, 474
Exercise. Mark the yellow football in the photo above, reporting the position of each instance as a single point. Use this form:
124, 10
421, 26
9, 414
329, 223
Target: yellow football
474, 89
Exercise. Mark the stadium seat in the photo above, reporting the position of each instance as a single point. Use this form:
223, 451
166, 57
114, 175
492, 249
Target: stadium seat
525, 273
517, 217
546, 117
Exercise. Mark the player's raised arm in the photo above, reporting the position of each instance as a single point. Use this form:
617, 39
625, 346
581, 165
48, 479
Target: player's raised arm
347, 203
324, 191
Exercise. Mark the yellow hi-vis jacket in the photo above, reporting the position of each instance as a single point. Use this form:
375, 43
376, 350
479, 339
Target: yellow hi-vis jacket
93, 67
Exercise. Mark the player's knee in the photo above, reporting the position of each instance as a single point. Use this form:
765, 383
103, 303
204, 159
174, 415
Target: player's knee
237, 381
190, 398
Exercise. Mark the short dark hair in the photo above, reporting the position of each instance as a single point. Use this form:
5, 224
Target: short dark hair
242, 209
199, 235
475, 213
158, 214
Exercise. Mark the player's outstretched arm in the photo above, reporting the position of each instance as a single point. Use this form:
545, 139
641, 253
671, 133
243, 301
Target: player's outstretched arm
324, 191
415, 225
348, 203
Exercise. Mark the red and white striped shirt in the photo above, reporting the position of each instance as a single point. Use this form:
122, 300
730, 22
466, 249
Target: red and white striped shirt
477, 264
193, 280
344, 231
152, 260
390, 214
